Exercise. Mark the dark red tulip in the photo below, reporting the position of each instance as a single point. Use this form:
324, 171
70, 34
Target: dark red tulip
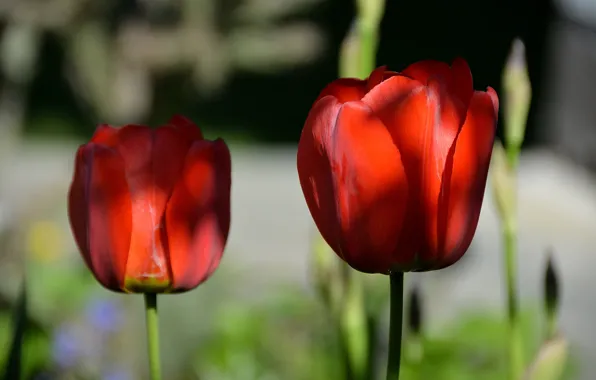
393, 168
150, 208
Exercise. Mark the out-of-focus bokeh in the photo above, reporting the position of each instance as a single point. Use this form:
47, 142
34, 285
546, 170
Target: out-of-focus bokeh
248, 71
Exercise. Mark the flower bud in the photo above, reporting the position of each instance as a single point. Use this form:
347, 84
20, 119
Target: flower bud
149, 209
414, 321
517, 94
551, 295
551, 360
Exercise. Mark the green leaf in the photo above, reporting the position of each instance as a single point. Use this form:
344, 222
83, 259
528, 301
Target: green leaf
550, 362
12, 369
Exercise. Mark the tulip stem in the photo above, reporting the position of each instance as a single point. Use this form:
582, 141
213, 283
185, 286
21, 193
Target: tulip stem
516, 359
395, 324
152, 335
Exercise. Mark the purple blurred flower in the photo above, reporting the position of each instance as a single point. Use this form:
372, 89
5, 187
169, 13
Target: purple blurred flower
44, 376
116, 374
67, 347
104, 315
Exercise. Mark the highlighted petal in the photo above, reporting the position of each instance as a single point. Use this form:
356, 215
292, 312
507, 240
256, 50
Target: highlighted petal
451, 231
146, 266
371, 189
100, 213
424, 123
402, 104
158, 165
353, 182
198, 215
105, 135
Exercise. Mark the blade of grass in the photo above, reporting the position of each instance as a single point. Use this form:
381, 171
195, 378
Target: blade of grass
12, 370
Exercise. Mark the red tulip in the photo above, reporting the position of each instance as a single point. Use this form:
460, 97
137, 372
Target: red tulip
150, 209
393, 168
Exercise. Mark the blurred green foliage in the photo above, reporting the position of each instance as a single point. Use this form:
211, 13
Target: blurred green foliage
473, 347
35, 349
215, 333
285, 337
286, 333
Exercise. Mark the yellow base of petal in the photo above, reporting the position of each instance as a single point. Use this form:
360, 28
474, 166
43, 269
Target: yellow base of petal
146, 285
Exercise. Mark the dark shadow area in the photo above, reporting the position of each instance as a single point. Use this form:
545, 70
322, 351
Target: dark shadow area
273, 107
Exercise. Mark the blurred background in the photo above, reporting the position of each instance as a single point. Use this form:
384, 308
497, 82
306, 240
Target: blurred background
248, 71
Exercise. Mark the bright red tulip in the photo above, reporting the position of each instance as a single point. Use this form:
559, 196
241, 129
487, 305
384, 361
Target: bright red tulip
393, 168
150, 208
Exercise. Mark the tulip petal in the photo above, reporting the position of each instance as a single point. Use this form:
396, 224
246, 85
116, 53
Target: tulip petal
371, 187
190, 131
314, 169
422, 71
197, 219
345, 90
451, 231
100, 208
403, 105
457, 79
146, 266
105, 135
168, 154
462, 84
441, 132
377, 76
408, 111
354, 183
424, 121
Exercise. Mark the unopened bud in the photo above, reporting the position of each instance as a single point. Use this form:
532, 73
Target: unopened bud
550, 362
551, 295
414, 321
517, 97
551, 285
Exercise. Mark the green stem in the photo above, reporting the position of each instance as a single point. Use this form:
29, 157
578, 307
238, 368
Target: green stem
516, 360
513, 153
395, 324
551, 325
152, 335
373, 329
345, 354
367, 36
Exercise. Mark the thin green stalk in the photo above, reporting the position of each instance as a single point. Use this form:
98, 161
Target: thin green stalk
345, 354
551, 326
152, 335
368, 38
395, 324
516, 359
513, 157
